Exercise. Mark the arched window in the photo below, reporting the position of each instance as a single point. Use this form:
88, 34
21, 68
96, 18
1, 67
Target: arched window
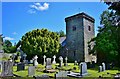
89, 28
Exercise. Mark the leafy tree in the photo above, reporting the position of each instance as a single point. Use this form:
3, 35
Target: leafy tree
61, 33
8, 48
40, 42
107, 41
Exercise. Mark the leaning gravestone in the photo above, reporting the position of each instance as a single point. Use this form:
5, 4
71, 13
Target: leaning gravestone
100, 68
103, 66
31, 70
66, 61
48, 64
7, 68
83, 68
35, 63
20, 66
44, 57
61, 61
54, 62
61, 75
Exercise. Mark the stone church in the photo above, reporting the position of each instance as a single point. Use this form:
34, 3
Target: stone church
79, 31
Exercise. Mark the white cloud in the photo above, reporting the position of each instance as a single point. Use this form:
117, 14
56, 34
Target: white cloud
8, 38
14, 33
39, 7
31, 11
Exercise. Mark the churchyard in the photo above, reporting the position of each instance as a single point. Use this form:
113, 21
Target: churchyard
52, 69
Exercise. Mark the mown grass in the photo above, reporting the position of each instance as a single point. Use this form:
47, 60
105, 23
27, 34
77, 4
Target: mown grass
93, 72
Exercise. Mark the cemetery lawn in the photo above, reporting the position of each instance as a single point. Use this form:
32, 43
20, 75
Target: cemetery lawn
93, 72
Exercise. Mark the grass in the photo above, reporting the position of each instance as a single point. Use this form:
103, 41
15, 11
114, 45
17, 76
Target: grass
93, 72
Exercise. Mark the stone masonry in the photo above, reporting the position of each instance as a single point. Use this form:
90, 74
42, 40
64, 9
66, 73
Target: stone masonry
79, 30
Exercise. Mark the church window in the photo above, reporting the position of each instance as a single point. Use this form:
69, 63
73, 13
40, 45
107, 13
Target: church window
74, 28
89, 28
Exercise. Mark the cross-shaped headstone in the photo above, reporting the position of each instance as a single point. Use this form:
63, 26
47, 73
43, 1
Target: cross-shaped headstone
54, 62
66, 61
61, 60
35, 63
44, 60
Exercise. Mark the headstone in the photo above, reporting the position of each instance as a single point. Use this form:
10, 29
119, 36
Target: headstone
103, 66
48, 64
61, 61
44, 57
31, 61
100, 68
61, 74
24, 58
75, 63
20, 66
88, 65
7, 68
66, 61
31, 70
54, 62
93, 64
83, 68
35, 63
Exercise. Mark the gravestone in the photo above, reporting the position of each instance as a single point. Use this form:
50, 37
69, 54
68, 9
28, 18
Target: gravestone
31, 70
31, 61
44, 57
100, 69
75, 63
83, 68
48, 64
61, 75
7, 68
35, 63
20, 66
24, 57
61, 61
66, 61
93, 64
54, 62
103, 66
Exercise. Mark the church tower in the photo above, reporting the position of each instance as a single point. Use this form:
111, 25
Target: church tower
79, 31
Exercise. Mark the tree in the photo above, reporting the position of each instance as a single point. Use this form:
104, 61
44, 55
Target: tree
40, 42
61, 33
8, 48
115, 21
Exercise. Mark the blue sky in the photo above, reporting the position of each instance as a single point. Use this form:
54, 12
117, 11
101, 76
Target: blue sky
21, 17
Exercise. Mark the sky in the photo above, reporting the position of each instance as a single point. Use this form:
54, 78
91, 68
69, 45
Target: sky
19, 18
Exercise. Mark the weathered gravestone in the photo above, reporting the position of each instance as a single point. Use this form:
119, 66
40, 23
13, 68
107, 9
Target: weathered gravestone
31, 70
93, 64
44, 62
103, 66
48, 64
83, 68
7, 68
31, 61
100, 69
61, 61
61, 75
54, 62
42, 77
35, 63
66, 61
20, 66
75, 63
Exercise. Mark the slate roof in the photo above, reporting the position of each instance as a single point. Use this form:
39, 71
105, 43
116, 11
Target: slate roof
63, 41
